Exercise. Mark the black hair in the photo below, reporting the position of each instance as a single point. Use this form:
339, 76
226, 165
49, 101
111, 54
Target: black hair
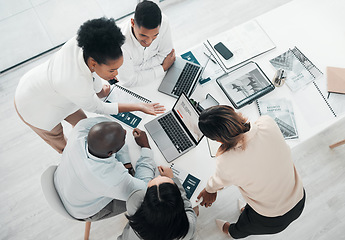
100, 39
161, 216
148, 15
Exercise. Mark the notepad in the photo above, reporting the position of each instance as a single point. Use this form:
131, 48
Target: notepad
336, 80
188, 181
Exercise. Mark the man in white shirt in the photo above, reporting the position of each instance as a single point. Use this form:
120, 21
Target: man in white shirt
92, 180
148, 51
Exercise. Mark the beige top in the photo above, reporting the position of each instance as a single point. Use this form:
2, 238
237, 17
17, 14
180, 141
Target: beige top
264, 171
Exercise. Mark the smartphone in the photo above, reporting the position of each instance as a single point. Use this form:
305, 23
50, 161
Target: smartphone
223, 50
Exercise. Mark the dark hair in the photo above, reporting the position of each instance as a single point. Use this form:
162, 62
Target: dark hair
161, 216
148, 15
223, 124
100, 39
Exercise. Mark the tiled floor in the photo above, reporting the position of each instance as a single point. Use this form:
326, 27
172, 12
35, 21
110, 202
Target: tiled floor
25, 213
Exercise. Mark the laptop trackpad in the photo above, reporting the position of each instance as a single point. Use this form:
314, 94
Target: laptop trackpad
162, 140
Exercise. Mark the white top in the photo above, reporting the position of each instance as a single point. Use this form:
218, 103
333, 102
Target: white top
141, 64
50, 92
86, 183
264, 171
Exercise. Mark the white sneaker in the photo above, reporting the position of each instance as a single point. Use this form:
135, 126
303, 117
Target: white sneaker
220, 223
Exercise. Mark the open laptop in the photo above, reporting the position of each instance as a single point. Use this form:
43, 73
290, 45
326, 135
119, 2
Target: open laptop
181, 77
176, 131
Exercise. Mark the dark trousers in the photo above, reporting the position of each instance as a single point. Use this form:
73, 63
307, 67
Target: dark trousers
252, 223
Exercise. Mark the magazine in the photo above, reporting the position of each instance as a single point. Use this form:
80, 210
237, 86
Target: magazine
282, 112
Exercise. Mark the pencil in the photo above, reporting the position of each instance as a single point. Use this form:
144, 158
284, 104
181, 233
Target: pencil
209, 57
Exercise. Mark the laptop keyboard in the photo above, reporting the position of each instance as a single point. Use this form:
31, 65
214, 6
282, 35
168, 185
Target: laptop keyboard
185, 79
175, 132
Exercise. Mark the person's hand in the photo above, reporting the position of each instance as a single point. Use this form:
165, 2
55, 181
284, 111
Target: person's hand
152, 108
104, 92
141, 138
130, 168
208, 198
169, 60
165, 171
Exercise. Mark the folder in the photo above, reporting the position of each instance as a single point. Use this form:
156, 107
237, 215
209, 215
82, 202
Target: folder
336, 80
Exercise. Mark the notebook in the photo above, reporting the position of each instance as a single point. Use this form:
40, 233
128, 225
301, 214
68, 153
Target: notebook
176, 131
181, 77
122, 94
300, 72
298, 68
188, 181
335, 80
281, 110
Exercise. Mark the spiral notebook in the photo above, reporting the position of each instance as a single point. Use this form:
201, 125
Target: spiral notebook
122, 94
304, 78
282, 112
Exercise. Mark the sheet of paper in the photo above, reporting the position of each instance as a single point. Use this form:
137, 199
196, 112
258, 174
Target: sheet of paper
188, 181
245, 41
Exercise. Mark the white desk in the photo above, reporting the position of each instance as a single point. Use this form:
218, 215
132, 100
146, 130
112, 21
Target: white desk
316, 27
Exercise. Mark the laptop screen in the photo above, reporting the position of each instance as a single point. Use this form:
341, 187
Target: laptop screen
188, 115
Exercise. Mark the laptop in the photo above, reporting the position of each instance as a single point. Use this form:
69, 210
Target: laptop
176, 131
181, 77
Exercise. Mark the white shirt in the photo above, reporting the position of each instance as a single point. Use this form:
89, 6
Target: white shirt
264, 172
142, 64
50, 92
86, 183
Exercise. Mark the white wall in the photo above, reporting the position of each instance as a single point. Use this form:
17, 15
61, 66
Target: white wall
30, 27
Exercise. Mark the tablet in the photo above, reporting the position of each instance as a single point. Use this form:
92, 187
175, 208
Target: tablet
245, 84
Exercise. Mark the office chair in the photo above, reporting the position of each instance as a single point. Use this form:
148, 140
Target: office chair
53, 199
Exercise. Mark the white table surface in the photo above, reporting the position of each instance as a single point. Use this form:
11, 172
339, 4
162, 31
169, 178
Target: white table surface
317, 28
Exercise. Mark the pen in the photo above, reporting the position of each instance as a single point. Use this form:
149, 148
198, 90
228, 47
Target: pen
209, 57
282, 74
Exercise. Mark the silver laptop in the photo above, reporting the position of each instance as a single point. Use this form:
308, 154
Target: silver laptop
176, 131
181, 77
